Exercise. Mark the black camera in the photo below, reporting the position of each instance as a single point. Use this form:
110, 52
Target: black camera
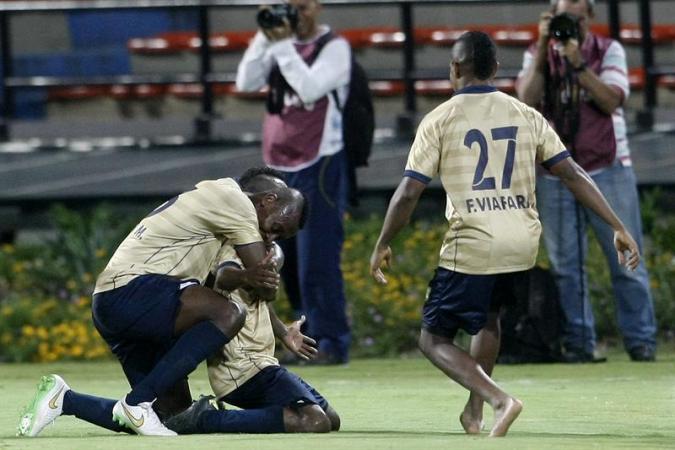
564, 27
273, 16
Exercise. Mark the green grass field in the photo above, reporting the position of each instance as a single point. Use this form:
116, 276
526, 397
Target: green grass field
401, 404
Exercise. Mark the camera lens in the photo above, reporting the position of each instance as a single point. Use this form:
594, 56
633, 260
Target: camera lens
564, 27
268, 18
274, 16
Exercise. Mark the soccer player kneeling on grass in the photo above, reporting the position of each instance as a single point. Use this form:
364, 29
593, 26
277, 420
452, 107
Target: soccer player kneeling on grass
484, 145
246, 374
151, 309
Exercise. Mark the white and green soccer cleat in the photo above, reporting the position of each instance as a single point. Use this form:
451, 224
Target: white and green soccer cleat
141, 419
46, 406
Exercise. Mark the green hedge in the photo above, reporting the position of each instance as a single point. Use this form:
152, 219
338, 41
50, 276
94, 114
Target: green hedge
45, 288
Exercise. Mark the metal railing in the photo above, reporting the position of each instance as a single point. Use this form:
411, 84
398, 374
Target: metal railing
206, 77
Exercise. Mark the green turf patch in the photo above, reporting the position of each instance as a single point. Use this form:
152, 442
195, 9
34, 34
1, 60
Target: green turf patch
400, 404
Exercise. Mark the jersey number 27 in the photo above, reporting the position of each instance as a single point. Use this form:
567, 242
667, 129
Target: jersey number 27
480, 183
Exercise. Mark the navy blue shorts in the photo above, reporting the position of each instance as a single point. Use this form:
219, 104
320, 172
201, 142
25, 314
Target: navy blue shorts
275, 386
458, 300
137, 321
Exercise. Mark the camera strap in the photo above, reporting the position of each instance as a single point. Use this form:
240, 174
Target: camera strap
562, 99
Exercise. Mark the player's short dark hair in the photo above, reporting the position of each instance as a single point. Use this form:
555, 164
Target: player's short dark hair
481, 53
253, 180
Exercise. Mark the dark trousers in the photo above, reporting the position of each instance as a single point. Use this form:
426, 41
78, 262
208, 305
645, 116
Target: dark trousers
312, 273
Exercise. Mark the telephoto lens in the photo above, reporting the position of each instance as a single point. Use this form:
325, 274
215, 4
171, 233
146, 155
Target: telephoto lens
273, 16
564, 27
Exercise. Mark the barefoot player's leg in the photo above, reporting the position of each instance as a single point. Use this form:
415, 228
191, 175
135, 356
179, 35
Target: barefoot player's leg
484, 349
462, 368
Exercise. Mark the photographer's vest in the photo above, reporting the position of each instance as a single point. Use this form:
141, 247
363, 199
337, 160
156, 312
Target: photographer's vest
293, 132
591, 135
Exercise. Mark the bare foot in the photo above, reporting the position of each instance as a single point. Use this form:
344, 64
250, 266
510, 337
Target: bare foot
471, 425
505, 415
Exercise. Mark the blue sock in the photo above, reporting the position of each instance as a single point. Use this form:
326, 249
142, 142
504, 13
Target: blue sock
96, 410
191, 348
266, 420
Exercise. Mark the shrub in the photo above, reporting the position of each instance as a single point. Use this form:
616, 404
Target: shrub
45, 289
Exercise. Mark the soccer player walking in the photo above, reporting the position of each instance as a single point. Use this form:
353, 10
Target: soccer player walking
484, 145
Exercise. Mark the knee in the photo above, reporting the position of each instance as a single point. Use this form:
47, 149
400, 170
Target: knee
313, 420
423, 343
334, 418
230, 318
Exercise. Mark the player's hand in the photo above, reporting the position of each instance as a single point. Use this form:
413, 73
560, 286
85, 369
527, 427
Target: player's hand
302, 346
264, 274
627, 249
380, 258
544, 23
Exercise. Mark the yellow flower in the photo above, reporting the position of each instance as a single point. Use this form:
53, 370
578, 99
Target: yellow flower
28, 330
87, 277
7, 311
42, 333
71, 285
18, 267
7, 248
59, 349
101, 253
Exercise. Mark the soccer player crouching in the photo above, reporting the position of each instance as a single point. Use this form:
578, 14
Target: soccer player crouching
245, 372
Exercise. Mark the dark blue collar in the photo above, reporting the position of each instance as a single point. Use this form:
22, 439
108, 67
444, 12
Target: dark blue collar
479, 89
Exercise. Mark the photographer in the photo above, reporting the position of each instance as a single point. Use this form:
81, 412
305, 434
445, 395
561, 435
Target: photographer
307, 69
580, 81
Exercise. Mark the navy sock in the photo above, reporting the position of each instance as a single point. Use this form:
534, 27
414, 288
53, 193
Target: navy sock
96, 410
266, 420
191, 348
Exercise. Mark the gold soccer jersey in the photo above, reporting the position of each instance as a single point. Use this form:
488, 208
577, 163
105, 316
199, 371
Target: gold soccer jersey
181, 238
484, 145
252, 349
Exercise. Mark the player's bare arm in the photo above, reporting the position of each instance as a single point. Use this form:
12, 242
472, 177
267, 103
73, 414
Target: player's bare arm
586, 192
262, 275
398, 215
255, 255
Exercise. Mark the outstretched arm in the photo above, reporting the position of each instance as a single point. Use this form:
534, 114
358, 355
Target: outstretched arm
586, 192
302, 346
400, 210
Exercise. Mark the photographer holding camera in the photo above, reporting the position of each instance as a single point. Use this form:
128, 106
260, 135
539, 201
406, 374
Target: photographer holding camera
580, 82
307, 68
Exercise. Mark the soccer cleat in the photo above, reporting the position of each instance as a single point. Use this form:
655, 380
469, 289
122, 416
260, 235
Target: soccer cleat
187, 422
140, 419
46, 406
